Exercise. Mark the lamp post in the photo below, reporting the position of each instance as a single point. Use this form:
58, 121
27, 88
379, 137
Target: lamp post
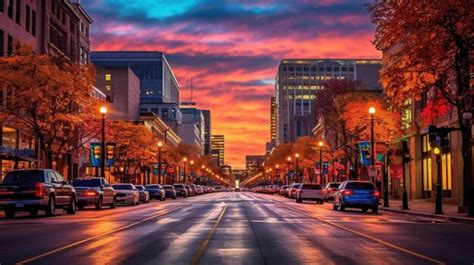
289, 170
192, 168
320, 144
103, 111
297, 168
277, 172
185, 160
372, 139
439, 198
160, 144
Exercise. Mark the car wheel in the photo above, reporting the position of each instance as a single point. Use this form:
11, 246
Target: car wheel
342, 207
164, 198
51, 208
80, 206
112, 205
375, 209
10, 213
98, 205
334, 207
174, 198
161, 199
71, 209
33, 211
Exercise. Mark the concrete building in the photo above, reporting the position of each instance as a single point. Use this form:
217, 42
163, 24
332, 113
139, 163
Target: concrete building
190, 132
253, 163
159, 128
158, 83
273, 120
217, 149
207, 131
50, 27
296, 84
122, 88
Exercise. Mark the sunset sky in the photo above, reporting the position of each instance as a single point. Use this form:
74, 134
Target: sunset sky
232, 49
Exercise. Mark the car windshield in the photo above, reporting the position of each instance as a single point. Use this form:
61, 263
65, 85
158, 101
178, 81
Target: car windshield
152, 187
334, 185
296, 186
24, 176
311, 186
122, 187
179, 186
168, 187
360, 186
140, 187
86, 183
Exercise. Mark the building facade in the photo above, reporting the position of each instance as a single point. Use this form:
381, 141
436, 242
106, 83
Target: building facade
296, 84
122, 88
217, 149
191, 133
207, 131
50, 27
253, 163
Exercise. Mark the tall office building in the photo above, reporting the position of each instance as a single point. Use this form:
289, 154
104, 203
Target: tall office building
217, 149
193, 128
158, 83
273, 128
207, 131
296, 84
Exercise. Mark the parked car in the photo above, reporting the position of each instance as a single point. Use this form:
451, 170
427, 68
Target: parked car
357, 194
170, 192
310, 192
36, 189
330, 190
189, 190
126, 193
195, 189
156, 191
282, 190
143, 194
292, 190
181, 190
94, 191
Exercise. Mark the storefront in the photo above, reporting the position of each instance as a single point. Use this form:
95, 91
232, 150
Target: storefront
16, 152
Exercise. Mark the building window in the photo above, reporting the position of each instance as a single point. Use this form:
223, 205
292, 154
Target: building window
72, 27
143, 110
108, 88
155, 111
284, 68
33, 23
10, 9
298, 68
10, 45
406, 114
164, 112
446, 176
18, 12
291, 69
427, 184
305, 68
108, 77
27, 23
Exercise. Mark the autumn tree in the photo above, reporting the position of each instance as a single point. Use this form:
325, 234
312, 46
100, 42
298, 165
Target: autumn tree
427, 45
48, 97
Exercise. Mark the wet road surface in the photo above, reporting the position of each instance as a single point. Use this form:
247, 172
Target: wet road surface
233, 228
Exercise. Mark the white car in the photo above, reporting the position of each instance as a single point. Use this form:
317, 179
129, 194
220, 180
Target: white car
126, 193
310, 191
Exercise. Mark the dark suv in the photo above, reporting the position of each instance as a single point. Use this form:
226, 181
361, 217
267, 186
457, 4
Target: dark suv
36, 189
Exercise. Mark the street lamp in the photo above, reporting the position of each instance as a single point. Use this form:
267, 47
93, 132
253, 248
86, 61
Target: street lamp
160, 144
320, 144
103, 111
192, 168
297, 167
372, 140
185, 160
289, 169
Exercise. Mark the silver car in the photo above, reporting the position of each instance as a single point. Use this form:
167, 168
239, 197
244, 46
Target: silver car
144, 194
94, 191
127, 193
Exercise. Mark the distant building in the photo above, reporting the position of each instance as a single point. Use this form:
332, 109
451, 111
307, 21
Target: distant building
273, 126
268, 147
158, 83
226, 170
160, 129
207, 131
217, 149
170, 113
253, 163
122, 88
197, 118
296, 84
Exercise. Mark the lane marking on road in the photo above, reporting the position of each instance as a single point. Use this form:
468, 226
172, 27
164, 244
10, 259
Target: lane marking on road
80, 242
202, 248
380, 241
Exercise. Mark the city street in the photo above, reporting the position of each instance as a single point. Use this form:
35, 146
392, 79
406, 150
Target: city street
233, 228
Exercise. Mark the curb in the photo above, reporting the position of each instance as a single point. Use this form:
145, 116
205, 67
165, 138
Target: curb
464, 220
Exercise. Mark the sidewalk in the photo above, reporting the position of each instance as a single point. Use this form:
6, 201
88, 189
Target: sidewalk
427, 209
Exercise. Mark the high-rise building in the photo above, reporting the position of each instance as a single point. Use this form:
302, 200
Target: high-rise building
207, 131
158, 83
273, 128
122, 88
192, 131
296, 84
217, 149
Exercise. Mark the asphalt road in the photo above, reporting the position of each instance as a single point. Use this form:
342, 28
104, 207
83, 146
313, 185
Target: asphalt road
233, 228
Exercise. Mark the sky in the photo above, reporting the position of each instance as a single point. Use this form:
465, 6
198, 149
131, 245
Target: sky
231, 50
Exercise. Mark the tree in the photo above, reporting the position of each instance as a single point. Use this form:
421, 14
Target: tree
49, 97
428, 45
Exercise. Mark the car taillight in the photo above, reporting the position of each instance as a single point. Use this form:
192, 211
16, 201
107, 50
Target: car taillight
91, 193
347, 192
377, 193
39, 191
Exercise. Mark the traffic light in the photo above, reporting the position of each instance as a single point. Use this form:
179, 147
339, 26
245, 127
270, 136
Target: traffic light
439, 138
432, 135
406, 153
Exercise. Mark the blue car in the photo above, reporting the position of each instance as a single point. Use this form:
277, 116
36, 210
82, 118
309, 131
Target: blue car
357, 194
